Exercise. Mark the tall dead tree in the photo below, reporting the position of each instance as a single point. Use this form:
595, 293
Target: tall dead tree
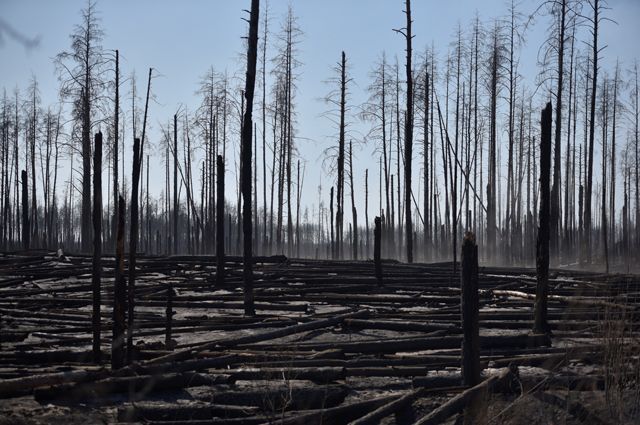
354, 211
220, 222
555, 188
119, 294
408, 133
247, 128
341, 146
116, 147
176, 204
595, 20
97, 244
81, 83
494, 71
541, 324
133, 244
26, 233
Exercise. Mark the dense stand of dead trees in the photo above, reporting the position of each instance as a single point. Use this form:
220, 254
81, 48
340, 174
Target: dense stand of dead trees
477, 170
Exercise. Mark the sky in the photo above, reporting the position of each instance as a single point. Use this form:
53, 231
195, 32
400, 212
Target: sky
182, 39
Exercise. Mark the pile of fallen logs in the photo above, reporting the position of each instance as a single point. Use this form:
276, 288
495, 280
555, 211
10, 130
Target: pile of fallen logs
331, 341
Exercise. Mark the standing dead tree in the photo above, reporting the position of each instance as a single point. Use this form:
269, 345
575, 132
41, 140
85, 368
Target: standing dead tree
247, 128
542, 245
97, 244
81, 83
408, 134
119, 294
116, 147
220, 222
596, 6
25, 211
133, 244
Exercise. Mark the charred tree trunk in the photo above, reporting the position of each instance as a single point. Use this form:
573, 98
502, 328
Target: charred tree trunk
119, 294
408, 139
341, 149
332, 241
116, 147
592, 123
25, 211
555, 189
377, 232
247, 127
97, 244
175, 184
542, 245
133, 244
220, 223
470, 310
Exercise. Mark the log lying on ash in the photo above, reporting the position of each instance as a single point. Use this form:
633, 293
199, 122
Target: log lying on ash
25, 385
269, 398
321, 375
178, 412
387, 346
340, 414
250, 339
581, 301
390, 408
460, 401
141, 386
401, 326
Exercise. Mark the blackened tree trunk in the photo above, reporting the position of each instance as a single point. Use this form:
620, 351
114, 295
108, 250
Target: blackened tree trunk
354, 211
133, 244
119, 294
332, 241
377, 231
542, 245
592, 123
247, 128
116, 146
408, 139
341, 148
555, 189
97, 244
25, 211
470, 310
175, 184
366, 210
220, 223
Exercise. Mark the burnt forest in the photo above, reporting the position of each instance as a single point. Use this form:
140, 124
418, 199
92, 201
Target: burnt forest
363, 212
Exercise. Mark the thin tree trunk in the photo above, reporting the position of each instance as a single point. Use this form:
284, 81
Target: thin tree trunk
247, 127
542, 246
133, 244
97, 244
119, 294
220, 223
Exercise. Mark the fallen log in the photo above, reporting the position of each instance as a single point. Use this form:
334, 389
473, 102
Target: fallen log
141, 386
580, 301
337, 415
25, 385
320, 375
388, 409
179, 412
278, 333
280, 398
385, 346
460, 401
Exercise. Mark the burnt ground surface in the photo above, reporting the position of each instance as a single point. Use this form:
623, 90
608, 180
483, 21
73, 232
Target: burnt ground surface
328, 344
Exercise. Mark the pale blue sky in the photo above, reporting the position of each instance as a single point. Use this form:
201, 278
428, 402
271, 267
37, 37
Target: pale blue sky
182, 39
